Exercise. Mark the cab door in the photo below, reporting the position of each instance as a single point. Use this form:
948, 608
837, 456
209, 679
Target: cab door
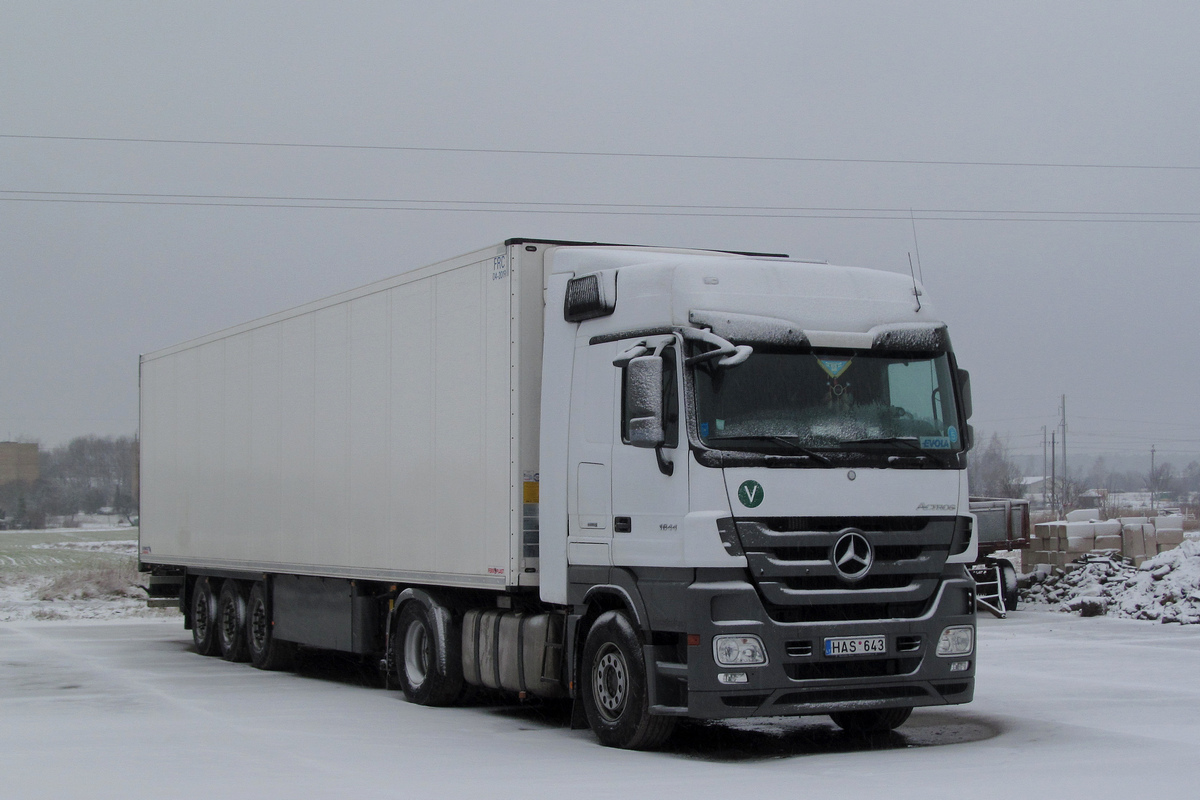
594, 387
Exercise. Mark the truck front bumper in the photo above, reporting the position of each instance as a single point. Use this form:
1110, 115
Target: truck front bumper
798, 677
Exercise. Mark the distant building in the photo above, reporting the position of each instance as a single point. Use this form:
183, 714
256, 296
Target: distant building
18, 462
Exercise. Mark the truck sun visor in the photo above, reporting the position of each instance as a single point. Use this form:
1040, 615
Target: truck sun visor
919, 337
750, 328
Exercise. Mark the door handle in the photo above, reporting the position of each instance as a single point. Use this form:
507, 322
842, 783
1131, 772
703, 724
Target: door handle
622, 525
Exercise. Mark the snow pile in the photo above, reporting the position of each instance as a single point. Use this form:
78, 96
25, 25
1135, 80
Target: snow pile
1165, 588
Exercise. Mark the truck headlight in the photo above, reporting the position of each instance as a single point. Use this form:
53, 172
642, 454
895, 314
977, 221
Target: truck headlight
957, 640
739, 651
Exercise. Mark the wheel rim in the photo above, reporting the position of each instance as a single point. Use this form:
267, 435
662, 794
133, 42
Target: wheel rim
610, 682
416, 655
258, 626
228, 623
200, 621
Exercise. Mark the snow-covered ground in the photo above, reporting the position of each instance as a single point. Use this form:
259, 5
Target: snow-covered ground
1065, 707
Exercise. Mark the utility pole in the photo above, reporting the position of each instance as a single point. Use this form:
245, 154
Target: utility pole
1053, 476
1066, 474
1045, 464
1153, 479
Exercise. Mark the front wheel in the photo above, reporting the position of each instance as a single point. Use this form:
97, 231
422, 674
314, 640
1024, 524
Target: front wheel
875, 720
615, 697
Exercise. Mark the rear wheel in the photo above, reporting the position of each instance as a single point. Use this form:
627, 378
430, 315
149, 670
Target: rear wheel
266, 652
875, 720
231, 622
615, 697
204, 618
425, 678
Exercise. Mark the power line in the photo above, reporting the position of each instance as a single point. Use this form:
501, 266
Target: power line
604, 153
323, 199
615, 209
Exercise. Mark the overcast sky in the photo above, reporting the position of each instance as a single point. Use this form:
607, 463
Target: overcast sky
1058, 232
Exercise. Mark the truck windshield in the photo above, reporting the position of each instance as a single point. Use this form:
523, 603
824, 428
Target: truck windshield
779, 401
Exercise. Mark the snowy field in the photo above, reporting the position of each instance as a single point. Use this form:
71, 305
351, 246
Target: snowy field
1066, 707
88, 572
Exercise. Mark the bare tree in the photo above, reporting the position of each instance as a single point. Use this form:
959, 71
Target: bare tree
992, 473
1161, 479
89, 473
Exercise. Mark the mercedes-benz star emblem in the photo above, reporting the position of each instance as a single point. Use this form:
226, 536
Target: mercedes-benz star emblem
852, 556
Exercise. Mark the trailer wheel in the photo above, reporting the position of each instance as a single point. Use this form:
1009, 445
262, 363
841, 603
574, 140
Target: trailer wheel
1008, 584
204, 618
266, 652
615, 696
425, 679
875, 720
231, 622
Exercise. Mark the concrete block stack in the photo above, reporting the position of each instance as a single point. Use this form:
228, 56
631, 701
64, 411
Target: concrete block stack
1056, 544
1169, 532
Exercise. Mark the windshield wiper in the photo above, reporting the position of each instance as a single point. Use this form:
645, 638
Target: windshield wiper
787, 441
903, 440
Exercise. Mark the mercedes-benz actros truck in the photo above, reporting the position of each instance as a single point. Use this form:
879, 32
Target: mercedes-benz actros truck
660, 482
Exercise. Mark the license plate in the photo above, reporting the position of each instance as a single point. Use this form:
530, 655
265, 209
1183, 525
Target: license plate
855, 645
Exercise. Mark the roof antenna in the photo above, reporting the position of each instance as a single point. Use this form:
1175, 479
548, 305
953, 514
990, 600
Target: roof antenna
916, 291
916, 245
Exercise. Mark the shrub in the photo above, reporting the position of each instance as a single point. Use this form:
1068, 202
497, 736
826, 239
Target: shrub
97, 582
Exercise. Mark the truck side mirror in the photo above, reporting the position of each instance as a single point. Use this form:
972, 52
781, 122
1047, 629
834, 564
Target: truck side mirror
642, 404
964, 389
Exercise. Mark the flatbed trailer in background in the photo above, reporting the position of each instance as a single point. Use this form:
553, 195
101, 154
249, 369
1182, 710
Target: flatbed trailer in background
1002, 525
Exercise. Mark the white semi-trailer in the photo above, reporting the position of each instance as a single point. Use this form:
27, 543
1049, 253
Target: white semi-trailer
661, 482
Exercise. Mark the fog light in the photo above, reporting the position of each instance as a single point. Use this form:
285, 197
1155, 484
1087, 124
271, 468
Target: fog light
957, 640
960, 666
731, 651
732, 677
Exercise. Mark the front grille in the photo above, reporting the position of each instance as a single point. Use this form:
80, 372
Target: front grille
834, 612
872, 668
835, 524
790, 561
834, 583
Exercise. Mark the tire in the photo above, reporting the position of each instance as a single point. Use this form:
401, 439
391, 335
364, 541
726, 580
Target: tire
615, 696
231, 622
875, 720
423, 678
266, 652
204, 618
1008, 584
